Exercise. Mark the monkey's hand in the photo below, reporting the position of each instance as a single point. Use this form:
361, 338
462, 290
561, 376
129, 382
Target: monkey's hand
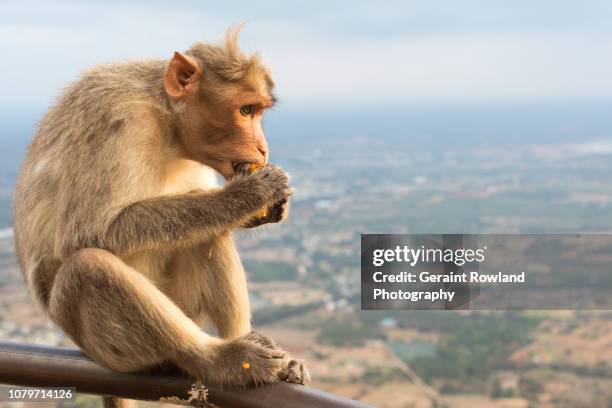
277, 213
271, 184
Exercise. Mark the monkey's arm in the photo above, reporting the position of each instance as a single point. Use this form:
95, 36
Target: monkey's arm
193, 217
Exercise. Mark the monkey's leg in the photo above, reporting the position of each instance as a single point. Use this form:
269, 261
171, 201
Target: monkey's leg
225, 297
226, 300
120, 319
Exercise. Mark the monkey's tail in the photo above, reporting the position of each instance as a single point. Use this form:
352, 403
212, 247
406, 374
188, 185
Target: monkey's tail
112, 402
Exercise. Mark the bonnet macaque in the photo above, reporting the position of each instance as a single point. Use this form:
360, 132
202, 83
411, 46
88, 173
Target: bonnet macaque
122, 233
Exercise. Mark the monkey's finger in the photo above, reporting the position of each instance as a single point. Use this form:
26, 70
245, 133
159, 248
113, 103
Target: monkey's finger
241, 168
281, 202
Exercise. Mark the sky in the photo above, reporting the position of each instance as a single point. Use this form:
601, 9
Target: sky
329, 54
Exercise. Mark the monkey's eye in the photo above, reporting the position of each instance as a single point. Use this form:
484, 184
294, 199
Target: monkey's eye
246, 110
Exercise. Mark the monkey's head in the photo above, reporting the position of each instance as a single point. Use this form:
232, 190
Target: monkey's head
219, 97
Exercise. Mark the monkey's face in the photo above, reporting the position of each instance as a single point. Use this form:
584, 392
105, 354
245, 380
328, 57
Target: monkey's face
222, 129
220, 121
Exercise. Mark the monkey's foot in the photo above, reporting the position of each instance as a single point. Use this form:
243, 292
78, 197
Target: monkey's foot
295, 371
237, 363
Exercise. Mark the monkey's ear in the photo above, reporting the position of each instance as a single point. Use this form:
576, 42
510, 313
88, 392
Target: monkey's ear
181, 76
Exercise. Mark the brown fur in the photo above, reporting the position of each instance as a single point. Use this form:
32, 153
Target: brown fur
122, 233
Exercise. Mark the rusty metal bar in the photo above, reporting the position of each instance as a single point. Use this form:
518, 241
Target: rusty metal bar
38, 366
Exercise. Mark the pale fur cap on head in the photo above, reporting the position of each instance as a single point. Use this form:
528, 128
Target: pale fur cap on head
228, 61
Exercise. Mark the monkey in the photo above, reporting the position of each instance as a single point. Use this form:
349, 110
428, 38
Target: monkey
124, 235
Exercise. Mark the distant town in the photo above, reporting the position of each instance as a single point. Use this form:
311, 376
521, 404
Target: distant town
305, 274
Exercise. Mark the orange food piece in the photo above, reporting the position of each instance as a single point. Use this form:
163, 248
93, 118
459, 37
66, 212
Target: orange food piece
253, 167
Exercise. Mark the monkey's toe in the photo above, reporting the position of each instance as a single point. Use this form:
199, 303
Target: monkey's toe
262, 340
295, 372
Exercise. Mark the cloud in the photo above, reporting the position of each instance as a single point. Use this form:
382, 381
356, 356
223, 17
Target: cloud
44, 46
449, 68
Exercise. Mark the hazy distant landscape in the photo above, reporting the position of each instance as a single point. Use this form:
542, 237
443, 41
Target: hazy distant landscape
470, 169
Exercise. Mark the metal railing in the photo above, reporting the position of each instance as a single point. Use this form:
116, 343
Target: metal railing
38, 366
